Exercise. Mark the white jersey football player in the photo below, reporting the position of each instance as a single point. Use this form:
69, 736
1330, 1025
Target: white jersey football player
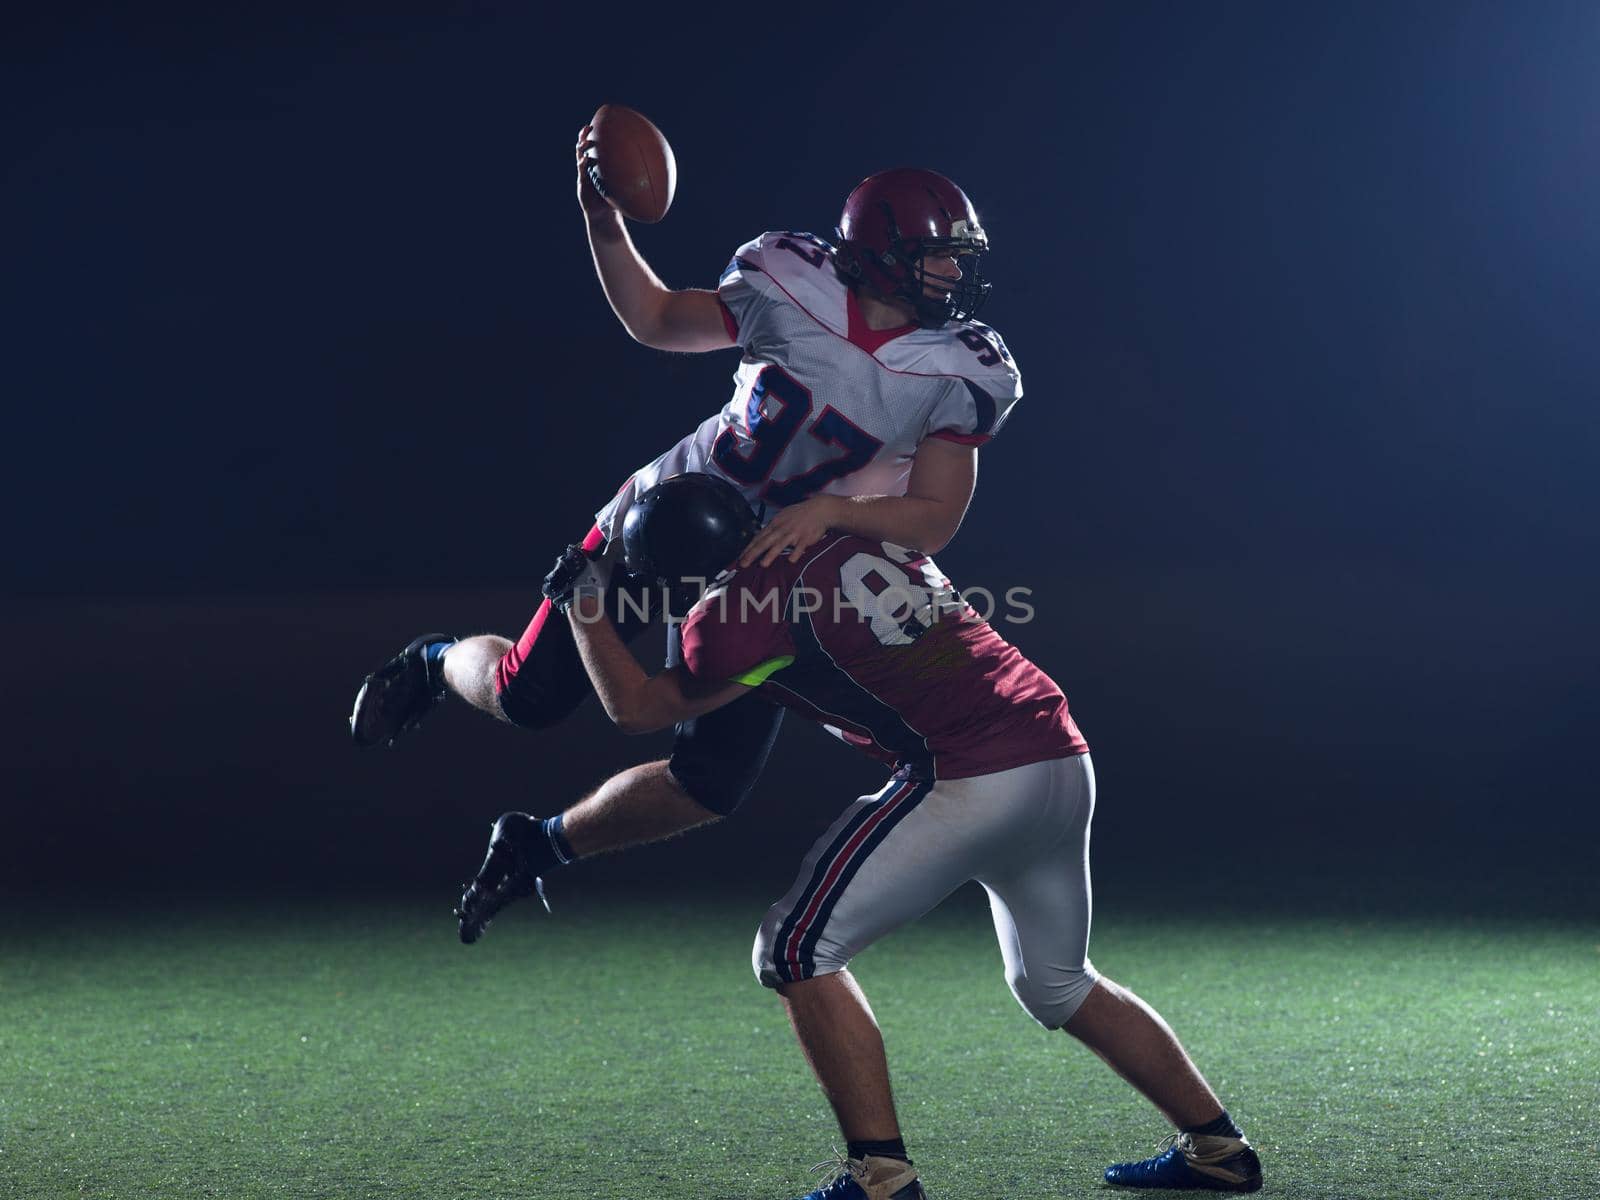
823, 402
864, 389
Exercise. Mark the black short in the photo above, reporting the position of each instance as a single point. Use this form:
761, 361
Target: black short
718, 757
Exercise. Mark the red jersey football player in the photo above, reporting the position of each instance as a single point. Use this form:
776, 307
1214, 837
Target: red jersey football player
863, 390
991, 782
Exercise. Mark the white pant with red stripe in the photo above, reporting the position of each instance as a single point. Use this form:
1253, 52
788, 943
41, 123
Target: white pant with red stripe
890, 858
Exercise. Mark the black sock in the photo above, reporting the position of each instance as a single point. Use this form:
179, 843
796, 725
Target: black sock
895, 1148
1223, 1126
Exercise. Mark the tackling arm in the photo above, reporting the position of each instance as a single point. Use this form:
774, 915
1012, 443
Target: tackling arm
636, 702
943, 476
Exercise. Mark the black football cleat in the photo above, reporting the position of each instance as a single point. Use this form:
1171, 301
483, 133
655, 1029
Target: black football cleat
509, 872
394, 698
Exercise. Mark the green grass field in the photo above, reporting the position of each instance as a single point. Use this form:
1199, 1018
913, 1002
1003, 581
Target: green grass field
622, 1048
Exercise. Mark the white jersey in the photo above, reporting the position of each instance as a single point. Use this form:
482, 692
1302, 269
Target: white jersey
821, 403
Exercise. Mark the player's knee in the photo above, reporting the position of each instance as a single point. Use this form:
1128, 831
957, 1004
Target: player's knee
525, 711
526, 703
718, 757
1051, 997
710, 784
763, 956
775, 966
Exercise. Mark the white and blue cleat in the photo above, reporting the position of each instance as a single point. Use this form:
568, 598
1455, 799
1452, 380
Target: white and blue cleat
870, 1178
1220, 1164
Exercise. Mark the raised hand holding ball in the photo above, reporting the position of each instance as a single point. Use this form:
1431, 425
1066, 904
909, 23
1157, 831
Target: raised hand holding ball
623, 160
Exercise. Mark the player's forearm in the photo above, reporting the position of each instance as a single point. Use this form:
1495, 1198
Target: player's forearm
943, 476
635, 702
617, 676
633, 290
916, 522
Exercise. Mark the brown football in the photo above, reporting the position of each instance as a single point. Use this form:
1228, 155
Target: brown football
632, 165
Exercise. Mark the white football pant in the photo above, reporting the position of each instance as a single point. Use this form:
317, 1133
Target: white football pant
893, 856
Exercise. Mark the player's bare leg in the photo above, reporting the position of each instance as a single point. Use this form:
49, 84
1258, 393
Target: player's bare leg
1138, 1045
642, 804
842, 1042
1209, 1150
398, 695
469, 669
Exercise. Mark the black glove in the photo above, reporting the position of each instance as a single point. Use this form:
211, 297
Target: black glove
576, 573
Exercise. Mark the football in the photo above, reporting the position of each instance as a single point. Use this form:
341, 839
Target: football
632, 165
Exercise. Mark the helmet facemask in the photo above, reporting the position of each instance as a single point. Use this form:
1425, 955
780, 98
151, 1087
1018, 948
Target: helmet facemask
958, 299
901, 272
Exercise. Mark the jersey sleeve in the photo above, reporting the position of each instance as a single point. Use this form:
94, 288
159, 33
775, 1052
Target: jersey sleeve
746, 289
980, 398
737, 634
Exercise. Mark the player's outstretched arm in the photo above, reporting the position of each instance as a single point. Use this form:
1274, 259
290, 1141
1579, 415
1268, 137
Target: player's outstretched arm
926, 518
652, 313
636, 702
689, 321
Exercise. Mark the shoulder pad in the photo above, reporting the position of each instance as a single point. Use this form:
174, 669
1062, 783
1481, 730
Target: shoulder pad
790, 267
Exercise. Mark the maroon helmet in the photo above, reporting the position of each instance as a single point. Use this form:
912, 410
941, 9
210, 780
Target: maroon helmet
895, 217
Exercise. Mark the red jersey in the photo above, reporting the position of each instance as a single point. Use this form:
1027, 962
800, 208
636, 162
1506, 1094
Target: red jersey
871, 640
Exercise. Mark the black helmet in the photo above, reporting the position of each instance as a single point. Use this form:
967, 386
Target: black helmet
688, 527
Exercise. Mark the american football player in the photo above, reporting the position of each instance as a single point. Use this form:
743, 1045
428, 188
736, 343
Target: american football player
991, 782
863, 390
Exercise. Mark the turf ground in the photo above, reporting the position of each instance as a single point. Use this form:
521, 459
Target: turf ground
622, 1048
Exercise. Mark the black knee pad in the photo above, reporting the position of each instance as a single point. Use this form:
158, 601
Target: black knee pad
718, 757
528, 705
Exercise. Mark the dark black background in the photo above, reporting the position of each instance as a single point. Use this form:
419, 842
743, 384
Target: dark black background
303, 353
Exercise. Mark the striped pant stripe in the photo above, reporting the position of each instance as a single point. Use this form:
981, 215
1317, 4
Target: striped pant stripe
797, 937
